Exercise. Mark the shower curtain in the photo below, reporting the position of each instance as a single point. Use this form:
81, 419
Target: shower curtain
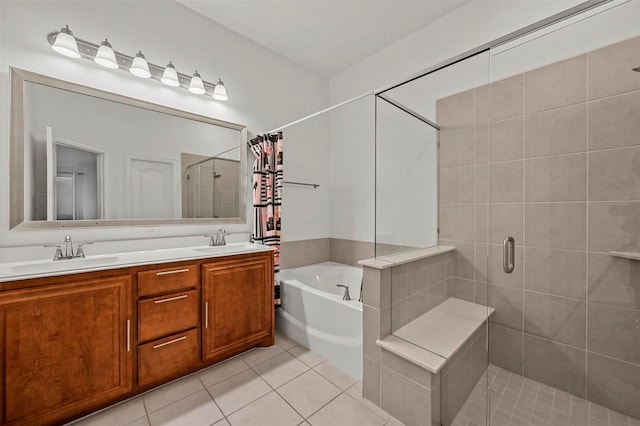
267, 196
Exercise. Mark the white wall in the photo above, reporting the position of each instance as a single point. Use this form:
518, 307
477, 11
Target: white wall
265, 89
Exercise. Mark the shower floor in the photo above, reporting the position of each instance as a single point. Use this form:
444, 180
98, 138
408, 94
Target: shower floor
519, 401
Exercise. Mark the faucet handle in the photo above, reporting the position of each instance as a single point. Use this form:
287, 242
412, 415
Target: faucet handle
211, 239
58, 254
80, 250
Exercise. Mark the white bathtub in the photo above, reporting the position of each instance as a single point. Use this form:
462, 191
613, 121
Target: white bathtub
314, 314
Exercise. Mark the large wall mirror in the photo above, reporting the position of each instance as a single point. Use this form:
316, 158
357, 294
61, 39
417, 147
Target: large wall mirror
86, 157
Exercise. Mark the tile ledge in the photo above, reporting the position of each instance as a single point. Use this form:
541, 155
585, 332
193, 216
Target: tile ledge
384, 262
431, 362
625, 255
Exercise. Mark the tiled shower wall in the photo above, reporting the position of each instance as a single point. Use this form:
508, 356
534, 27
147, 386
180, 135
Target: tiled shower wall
552, 158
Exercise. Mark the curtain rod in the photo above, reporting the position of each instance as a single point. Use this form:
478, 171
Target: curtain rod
348, 101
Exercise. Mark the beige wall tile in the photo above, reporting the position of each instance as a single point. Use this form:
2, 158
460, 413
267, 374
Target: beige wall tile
559, 178
371, 332
418, 275
556, 85
507, 98
507, 140
614, 280
399, 314
399, 283
371, 380
556, 318
406, 368
482, 144
506, 182
624, 344
615, 122
335, 249
446, 221
418, 304
292, 254
614, 227
463, 289
481, 293
463, 259
507, 302
464, 228
457, 110
506, 220
437, 294
614, 175
437, 268
448, 185
560, 131
405, 399
481, 262
496, 269
482, 183
558, 272
316, 251
613, 383
376, 291
610, 69
482, 104
554, 364
506, 348
456, 384
482, 223
457, 148
556, 225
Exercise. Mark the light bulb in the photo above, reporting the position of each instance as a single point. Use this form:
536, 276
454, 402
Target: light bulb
197, 86
65, 43
105, 56
139, 66
170, 76
219, 92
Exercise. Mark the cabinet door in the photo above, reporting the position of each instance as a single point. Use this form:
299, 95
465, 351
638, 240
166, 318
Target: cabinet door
237, 305
66, 349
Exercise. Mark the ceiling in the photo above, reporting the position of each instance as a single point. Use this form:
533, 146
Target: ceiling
325, 36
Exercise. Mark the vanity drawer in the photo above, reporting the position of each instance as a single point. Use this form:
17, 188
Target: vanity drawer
167, 314
167, 358
168, 279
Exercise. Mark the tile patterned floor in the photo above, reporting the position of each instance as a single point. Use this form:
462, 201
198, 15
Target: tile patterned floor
518, 401
282, 385
287, 384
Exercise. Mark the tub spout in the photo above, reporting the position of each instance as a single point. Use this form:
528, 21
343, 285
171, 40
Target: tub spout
346, 291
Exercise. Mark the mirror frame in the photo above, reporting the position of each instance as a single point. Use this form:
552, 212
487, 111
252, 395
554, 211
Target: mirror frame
16, 155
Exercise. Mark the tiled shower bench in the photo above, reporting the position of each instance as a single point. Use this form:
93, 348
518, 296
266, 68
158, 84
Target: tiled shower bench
444, 351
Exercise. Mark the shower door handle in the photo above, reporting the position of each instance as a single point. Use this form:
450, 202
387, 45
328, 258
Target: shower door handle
508, 255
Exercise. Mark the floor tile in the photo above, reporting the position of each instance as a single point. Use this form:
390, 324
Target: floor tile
269, 410
335, 375
259, 355
119, 414
239, 390
308, 393
344, 411
222, 422
280, 369
355, 392
305, 355
393, 422
172, 392
142, 421
285, 342
222, 371
196, 409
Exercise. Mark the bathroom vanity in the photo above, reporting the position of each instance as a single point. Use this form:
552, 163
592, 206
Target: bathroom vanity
108, 327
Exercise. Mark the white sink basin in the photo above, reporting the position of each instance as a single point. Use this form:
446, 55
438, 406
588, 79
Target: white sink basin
61, 265
230, 248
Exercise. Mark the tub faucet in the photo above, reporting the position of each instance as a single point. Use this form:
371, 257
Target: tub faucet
346, 291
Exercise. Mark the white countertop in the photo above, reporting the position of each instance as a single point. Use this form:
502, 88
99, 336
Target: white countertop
46, 268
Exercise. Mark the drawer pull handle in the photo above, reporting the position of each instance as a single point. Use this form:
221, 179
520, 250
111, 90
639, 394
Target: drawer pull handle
128, 335
176, 271
184, 296
169, 342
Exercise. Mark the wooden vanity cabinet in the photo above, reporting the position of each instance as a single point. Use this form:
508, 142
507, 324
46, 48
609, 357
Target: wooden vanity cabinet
237, 303
66, 349
76, 343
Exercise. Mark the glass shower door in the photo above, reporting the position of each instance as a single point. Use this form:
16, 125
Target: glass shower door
564, 194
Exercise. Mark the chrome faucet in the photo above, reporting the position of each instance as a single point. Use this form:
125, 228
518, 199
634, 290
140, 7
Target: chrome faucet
68, 249
218, 238
346, 291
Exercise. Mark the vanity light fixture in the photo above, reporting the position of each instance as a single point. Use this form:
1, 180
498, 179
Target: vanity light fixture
219, 92
196, 86
170, 76
139, 66
105, 56
65, 43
